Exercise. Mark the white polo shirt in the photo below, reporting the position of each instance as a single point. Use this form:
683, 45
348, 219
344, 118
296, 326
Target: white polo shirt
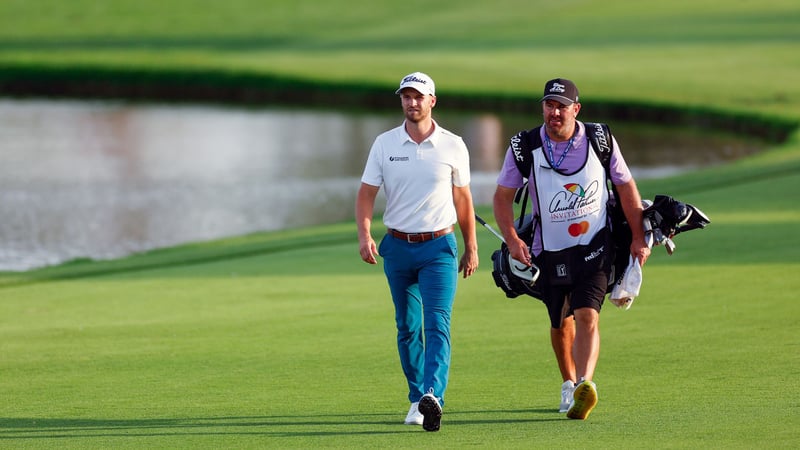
418, 179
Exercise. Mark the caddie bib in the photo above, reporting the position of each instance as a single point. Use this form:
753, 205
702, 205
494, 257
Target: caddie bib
572, 207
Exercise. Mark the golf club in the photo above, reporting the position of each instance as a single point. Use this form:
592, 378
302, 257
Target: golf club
520, 269
488, 227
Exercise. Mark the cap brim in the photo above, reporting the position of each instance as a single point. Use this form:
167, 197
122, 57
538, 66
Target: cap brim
421, 88
559, 98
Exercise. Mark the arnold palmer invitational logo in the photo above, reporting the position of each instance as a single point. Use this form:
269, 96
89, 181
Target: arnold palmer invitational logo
573, 203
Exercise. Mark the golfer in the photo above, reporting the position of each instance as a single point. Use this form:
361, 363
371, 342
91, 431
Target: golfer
424, 170
571, 238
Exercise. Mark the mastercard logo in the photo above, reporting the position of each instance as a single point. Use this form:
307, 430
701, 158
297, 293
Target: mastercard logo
579, 228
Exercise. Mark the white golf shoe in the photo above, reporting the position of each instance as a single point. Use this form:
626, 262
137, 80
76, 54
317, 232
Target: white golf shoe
566, 396
414, 417
431, 409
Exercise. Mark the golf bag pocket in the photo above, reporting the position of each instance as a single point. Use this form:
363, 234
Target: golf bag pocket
558, 266
563, 267
513, 282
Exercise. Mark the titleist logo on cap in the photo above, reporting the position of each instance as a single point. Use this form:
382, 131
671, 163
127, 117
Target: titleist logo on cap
558, 87
413, 78
561, 90
419, 81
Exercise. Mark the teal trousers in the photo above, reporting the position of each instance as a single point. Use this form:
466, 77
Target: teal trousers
422, 279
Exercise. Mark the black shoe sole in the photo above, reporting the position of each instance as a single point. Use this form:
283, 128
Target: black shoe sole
432, 414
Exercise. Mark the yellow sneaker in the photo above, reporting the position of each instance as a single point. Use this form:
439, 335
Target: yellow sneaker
584, 399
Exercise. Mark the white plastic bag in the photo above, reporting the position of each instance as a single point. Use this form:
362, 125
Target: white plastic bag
627, 288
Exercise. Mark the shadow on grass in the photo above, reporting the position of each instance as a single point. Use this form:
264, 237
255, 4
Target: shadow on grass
275, 426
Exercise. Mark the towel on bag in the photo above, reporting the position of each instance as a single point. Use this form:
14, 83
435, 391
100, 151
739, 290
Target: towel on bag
627, 288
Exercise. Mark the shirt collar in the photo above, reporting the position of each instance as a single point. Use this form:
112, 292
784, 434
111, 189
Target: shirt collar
433, 138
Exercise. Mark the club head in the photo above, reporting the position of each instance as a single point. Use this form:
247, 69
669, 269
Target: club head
648, 231
669, 245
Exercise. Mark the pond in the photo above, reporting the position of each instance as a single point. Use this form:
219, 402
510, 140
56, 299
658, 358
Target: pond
106, 179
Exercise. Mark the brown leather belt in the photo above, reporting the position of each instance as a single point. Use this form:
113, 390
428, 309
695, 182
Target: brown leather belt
420, 237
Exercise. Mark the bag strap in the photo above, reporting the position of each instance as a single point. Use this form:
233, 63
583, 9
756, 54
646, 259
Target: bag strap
522, 145
524, 142
599, 135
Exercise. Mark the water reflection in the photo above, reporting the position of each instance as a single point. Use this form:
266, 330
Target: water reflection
103, 180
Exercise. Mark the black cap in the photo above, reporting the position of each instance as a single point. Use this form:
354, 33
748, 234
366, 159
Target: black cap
561, 90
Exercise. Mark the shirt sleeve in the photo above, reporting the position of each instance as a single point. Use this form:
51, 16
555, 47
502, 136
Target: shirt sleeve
461, 172
509, 175
373, 170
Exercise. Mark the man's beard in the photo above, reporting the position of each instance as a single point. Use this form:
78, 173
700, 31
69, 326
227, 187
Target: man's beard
415, 116
562, 132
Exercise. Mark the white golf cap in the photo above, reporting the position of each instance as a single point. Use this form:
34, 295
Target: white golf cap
419, 81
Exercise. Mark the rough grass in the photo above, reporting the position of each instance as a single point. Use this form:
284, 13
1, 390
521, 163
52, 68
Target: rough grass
739, 57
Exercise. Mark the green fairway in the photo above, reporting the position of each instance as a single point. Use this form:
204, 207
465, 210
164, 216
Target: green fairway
294, 348
286, 339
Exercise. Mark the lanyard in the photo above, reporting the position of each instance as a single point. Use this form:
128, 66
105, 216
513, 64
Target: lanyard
553, 163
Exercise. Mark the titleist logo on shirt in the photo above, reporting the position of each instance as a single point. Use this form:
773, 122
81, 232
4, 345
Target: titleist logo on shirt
398, 158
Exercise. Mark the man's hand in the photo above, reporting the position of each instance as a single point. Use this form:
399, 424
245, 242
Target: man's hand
519, 250
368, 250
640, 250
469, 262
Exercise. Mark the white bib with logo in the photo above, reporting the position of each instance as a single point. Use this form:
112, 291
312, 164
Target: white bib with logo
572, 207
